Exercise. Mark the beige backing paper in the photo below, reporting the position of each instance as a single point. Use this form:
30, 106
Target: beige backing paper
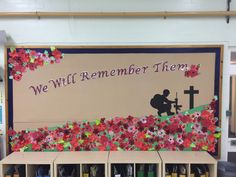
108, 96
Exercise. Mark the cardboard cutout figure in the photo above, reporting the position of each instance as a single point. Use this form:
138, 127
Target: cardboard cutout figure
162, 103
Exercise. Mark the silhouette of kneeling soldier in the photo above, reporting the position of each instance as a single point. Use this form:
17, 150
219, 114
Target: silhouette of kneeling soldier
162, 103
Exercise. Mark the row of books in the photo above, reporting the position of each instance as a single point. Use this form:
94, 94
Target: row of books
88, 170
180, 170
15, 171
127, 170
19, 171
118, 170
93, 170
67, 170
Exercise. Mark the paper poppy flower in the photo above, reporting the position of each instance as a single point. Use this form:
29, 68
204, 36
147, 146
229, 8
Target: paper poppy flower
195, 131
192, 71
22, 59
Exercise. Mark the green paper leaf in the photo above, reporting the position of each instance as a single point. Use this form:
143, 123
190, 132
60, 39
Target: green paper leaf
205, 148
97, 122
50, 150
52, 128
70, 126
188, 127
164, 118
148, 136
92, 123
175, 136
10, 65
52, 58
101, 133
163, 149
155, 144
187, 149
61, 141
217, 135
109, 136
120, 149
88, 134
116, 143
81, 141
192, 145
23, 149
10, 77
196, 109
12, 49
66, 145
151, 149
53, 48
29, 147
66, 149
31, 60
46, 52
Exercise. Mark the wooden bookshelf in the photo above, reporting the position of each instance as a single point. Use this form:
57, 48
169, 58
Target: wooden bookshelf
107, 161
82, 158
134, 158
30, 160
188, 158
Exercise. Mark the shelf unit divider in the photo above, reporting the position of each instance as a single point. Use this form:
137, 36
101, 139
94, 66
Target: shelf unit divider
189, 158
134, 157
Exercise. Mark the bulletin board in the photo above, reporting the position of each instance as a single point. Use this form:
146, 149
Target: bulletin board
106, 82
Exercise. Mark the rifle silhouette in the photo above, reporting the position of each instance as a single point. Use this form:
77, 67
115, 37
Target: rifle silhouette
177, 106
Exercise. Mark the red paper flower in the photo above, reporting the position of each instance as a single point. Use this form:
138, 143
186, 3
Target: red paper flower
196, 131
187, 143
21, 59
57, 54
193, 71
36, 147
60, 147
17, 77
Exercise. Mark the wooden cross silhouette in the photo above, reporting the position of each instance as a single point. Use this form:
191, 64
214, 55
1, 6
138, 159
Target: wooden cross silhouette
191, 93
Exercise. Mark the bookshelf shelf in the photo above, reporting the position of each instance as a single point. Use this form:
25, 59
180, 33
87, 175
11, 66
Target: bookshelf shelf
140, 163
135, 159
31, 161
82, 159
188, 158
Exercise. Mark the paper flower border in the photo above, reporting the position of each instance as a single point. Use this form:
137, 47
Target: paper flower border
192, 71
20, 60
192, 130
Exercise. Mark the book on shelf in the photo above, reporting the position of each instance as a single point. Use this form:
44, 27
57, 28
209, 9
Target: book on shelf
175, 170
199, 170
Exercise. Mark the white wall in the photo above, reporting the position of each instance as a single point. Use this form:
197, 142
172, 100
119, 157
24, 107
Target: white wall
117, 30
123, 31
2, 91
